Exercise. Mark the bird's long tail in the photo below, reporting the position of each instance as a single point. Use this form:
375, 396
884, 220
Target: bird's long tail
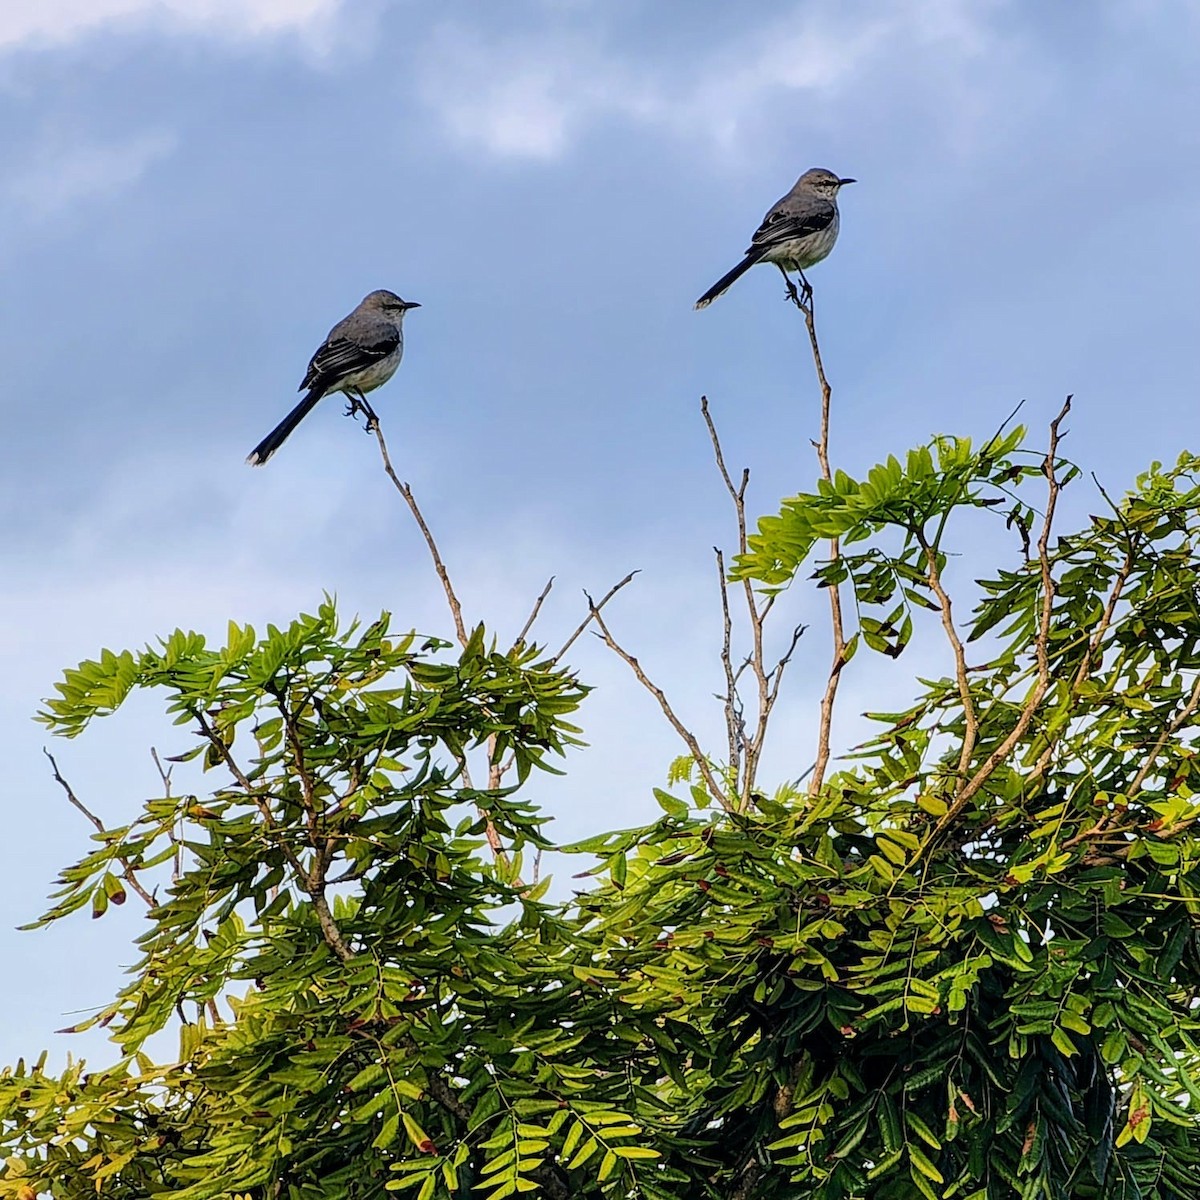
723, 283
282, 431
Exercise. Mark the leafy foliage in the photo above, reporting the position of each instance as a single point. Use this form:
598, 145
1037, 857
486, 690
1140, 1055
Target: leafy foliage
966, 968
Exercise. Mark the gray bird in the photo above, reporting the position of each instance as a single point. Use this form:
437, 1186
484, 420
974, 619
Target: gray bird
361, 352
798, 231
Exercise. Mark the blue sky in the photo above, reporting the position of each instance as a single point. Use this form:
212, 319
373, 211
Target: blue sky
195, 190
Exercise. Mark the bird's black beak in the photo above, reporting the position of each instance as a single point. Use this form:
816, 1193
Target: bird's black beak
411, 304
843, 182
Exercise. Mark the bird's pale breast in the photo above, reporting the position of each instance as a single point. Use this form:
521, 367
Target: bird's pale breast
802, 252
368, 378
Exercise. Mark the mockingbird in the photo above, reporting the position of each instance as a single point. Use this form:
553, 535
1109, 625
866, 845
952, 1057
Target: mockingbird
361, 352
798, 231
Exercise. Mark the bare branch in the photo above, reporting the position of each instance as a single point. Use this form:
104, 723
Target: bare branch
769, 685
455, 607
837, 626
689, 738
129, 875
537, 608
738, 494
66, 787
781, 665
593, 610
1003, 425
438, 565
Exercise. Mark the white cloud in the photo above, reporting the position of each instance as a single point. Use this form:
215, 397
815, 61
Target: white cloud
530, 96
59, 175
54, 22
526, 96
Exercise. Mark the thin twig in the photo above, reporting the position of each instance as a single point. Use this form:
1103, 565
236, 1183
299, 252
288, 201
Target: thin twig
1123, 573
177, 832
438, 565
307, 791
777, 674
129, 875
689, 738
1003, 425
533, 616
593, 610
732, 721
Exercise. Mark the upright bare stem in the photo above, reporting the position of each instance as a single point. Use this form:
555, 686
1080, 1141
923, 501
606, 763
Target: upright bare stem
164, 773
745, 748
835, 595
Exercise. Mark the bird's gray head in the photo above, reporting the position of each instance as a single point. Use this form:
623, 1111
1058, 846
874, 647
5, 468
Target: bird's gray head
388, 303
823, 182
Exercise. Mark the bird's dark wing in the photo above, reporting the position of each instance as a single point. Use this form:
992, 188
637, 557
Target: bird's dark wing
340, 356
785, 223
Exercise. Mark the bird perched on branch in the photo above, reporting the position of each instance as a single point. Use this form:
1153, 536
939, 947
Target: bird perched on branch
798, 231
361, 352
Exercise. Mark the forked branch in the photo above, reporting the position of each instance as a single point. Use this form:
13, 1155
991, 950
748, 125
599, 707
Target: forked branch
967, 790
746, 740
128, 872
593, 612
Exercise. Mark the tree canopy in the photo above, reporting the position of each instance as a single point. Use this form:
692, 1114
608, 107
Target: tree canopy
958, 962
